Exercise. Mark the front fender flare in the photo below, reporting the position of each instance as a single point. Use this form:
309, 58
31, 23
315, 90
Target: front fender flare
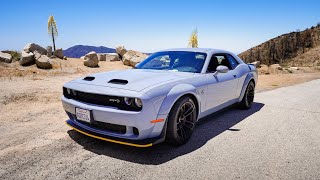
174, 94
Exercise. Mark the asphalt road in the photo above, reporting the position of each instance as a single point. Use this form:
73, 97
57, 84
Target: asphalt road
279, 138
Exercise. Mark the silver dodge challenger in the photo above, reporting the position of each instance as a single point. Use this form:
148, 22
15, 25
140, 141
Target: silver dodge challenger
161, 99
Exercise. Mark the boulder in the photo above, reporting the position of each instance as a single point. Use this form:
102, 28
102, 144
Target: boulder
131, 58
294, 68
121, 51
65, 57
82, 57
256, 64
42, 61
91, 59
276, 66
49, 51
58, 53
5, 57
135, 60
127, 57
7, 51
26, 58
102, 57
112, 57
31, 47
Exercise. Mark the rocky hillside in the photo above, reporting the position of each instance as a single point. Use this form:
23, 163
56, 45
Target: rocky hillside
286, 48
81, 50
310, 58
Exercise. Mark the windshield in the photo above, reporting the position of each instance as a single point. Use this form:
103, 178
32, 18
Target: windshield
183, 61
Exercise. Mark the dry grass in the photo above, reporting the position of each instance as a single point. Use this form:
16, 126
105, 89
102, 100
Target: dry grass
310, 58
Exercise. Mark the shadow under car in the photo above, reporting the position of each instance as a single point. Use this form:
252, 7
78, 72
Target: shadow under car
206, 129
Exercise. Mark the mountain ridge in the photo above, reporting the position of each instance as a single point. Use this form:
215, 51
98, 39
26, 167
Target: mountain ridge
80, 50
284, 48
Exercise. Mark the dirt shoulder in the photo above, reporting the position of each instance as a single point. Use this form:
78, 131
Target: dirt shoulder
273, 81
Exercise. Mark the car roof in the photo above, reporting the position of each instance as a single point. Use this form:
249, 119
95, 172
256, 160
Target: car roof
202, 50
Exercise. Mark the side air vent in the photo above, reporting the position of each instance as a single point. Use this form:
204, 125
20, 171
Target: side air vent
118, 81
88, 78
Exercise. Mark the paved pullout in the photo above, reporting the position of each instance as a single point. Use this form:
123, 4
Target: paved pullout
279, 138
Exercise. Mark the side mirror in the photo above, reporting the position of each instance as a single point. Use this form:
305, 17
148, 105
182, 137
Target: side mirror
222, 69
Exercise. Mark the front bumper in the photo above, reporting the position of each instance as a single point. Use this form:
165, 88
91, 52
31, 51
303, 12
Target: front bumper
149, 133
136, 143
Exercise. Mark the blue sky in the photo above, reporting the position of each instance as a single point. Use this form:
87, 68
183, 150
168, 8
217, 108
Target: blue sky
149, 26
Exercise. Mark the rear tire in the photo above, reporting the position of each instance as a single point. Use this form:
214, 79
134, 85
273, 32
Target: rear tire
181, 121
248, 97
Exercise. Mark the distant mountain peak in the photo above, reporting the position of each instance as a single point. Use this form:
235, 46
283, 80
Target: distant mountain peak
80, 50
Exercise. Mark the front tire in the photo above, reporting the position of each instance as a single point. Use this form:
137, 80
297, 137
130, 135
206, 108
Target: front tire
181, 121
248, 97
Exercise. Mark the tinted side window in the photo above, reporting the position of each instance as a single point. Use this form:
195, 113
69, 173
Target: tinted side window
217, 60
233, 62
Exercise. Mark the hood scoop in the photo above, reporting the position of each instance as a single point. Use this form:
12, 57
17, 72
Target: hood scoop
118, 81
89, 78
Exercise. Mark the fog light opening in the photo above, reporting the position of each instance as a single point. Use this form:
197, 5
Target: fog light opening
135, 131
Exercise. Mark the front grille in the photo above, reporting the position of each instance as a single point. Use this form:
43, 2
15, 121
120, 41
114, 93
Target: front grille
106, 126
104, 100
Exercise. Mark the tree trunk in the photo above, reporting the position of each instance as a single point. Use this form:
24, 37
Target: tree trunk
54, 44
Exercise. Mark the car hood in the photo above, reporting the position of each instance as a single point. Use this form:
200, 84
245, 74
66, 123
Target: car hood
132, 79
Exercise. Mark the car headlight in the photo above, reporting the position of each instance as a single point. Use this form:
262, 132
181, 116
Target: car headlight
68, 90
128, 101
138, 102
74, 92
133, 102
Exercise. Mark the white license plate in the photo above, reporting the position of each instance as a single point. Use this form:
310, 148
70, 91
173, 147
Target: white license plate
83, 115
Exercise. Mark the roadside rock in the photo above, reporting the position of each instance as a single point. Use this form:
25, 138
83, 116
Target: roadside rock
127, 57
112, 57
102, 57
65, 57
82, 57
294, 68
121, 51
91, 59
7, 51
42, 61
131, 58
276, 66
58, 53
26, 58
31, 47
49, 51
135, 60
256, 64
5, 57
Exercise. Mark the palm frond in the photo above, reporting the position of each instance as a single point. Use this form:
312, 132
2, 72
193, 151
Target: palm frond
52, 26
193, 41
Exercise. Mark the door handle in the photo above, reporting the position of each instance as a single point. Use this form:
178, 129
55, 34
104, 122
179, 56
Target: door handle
234, 75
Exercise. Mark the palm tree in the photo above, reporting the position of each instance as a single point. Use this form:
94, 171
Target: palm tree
193, 41
52, 30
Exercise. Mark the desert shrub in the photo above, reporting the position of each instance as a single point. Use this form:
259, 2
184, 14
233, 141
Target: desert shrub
15, 55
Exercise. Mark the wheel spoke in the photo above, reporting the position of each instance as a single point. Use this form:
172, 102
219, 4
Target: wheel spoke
185, 120
188, 124
183, 133
189, 111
